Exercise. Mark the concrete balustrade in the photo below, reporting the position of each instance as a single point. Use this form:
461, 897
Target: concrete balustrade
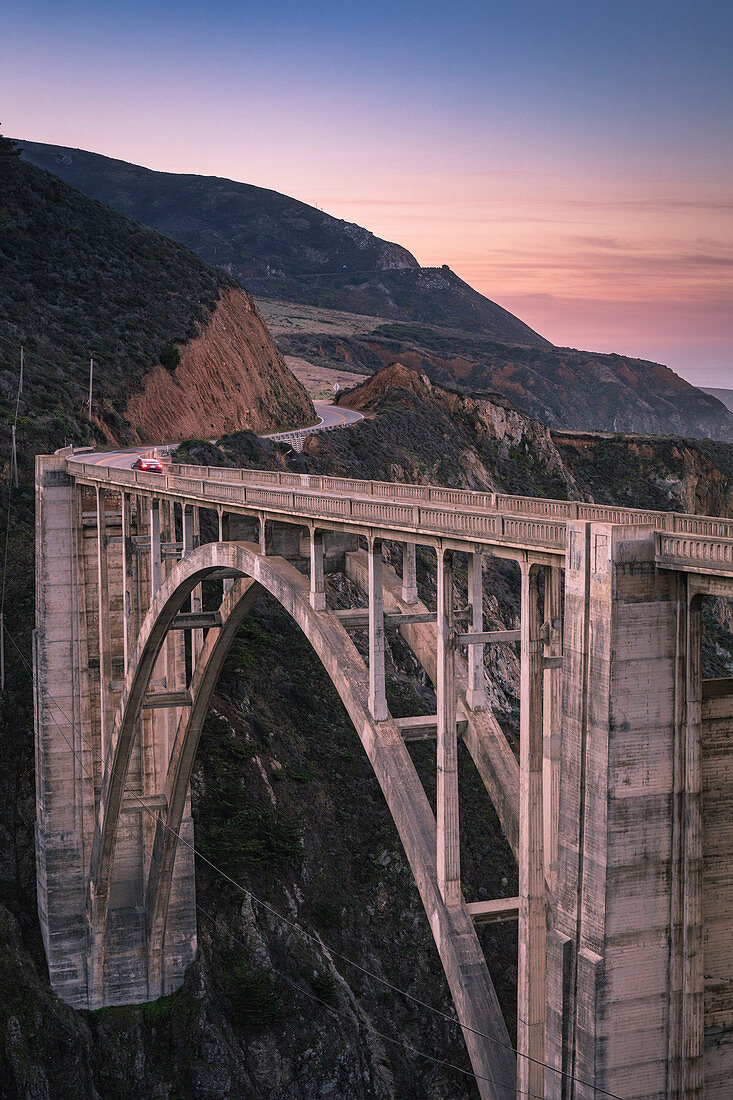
525, 521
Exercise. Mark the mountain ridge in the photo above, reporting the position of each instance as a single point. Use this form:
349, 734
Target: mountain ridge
280, 247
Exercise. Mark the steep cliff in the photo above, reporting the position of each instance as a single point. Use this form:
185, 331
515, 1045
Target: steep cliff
78, 281
231, 376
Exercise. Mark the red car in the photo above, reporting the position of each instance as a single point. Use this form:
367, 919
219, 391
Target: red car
152, 465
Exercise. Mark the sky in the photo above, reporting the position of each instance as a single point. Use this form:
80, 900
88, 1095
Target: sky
571, 160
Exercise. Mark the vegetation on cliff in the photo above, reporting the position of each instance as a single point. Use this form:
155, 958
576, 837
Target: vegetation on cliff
79, 281
562, 387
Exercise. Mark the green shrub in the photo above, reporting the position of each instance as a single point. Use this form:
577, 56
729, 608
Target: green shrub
170, 356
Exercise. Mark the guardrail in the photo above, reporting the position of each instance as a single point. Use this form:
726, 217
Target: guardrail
683, 541
495, 502
310, 503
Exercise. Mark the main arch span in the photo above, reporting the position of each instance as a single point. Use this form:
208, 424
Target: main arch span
455, 937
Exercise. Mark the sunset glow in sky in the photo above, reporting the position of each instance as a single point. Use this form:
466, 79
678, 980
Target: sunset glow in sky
571, 160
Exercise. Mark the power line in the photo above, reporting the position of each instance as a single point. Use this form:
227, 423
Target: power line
12, 477
303, 932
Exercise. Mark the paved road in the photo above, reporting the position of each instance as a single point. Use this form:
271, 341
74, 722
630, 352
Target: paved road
329, 417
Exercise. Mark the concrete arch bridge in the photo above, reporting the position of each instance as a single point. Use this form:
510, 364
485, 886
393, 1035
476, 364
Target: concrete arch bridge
618, 809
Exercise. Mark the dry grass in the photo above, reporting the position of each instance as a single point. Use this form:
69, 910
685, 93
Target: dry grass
319, 381
285, 318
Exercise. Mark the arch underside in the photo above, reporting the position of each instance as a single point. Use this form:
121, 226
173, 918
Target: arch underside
468, 977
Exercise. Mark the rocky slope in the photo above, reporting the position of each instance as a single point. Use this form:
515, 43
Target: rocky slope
281, 248
564, 388
483, 441
176, 344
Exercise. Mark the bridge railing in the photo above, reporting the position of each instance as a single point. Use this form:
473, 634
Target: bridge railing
470, 498
525, 521
708, 553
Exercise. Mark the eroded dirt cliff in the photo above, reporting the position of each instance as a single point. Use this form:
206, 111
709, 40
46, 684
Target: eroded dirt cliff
231, 376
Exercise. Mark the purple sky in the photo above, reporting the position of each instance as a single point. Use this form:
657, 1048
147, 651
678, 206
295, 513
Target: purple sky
571, 160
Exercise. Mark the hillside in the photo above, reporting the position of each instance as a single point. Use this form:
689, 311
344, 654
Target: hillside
281, 248
178, 346
284, 800
487, 443
565, 388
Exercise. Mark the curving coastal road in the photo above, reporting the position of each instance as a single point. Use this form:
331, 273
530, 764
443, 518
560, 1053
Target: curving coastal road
328, 415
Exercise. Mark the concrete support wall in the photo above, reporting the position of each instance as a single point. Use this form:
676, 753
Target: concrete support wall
613, 1015
62, 787
717, 886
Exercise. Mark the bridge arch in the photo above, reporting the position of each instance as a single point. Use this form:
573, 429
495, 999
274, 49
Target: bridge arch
463, 962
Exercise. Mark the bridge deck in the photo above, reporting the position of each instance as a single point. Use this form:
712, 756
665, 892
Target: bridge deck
459, 518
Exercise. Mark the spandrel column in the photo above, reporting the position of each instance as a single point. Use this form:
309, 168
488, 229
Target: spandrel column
531, 992
448, 832
377, 697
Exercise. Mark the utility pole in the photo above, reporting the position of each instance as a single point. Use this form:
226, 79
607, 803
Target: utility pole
14, 450
91, 382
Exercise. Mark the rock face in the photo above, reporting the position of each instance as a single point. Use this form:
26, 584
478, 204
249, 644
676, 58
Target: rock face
231, 376
78, 280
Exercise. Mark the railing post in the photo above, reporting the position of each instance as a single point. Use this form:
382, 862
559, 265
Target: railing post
377, 697
476, 691
448, 833
409, 572
531, 994
317, 588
